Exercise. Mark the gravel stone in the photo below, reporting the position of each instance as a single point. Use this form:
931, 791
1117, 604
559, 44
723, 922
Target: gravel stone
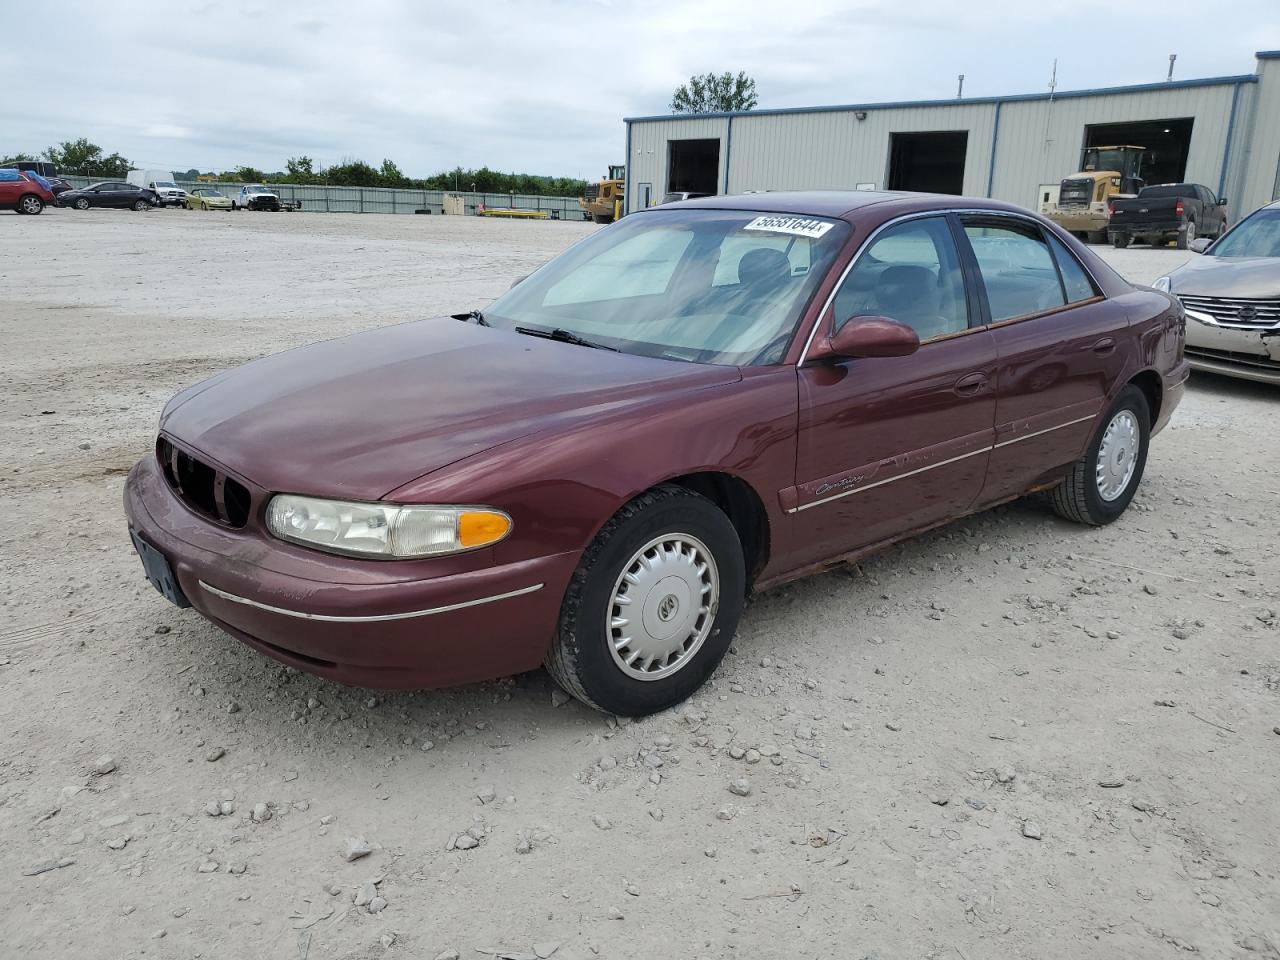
602, 822
104, 765
355, 848
261, 813
1031, 830
216, 754
740, 787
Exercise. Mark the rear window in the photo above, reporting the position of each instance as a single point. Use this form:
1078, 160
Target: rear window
1169, 190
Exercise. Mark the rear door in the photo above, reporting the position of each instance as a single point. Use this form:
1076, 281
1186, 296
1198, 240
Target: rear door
1059, 347
889, 445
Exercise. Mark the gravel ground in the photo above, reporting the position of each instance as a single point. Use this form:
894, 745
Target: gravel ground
1013, 737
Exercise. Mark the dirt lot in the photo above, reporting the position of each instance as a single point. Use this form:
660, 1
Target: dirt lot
908, 727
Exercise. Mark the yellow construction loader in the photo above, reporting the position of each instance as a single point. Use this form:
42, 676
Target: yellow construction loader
602, 201
1106, 174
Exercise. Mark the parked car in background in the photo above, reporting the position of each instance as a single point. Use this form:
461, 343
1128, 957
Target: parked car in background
207, 198
1232, 299
1168, 211
110, 193
707, 398
162, 184
58, 186
23, 192
256, 196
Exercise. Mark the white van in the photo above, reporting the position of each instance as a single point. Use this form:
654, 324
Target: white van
162, 182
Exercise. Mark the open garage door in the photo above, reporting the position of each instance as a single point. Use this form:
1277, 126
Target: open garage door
1166, 143
928, 162
693, 166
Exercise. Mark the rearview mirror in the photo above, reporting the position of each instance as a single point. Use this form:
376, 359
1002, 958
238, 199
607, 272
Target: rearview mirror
1200, 244
868, 337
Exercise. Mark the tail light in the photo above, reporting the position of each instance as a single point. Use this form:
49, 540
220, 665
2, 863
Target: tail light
1179, 208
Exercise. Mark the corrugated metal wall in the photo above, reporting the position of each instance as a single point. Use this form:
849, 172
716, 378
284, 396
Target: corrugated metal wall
319, 199
839, 151
1040, 140
1033, 140
647, 163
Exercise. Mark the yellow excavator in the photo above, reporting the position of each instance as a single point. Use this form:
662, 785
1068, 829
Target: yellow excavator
1106, 173
602, 201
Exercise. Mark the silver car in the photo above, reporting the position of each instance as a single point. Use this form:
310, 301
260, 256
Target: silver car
1232, 299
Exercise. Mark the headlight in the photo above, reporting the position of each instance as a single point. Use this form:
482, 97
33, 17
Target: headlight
384, 529
1161, 283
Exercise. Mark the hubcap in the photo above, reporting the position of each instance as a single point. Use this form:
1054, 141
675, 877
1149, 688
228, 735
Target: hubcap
30, 204
1117, 455
663, 605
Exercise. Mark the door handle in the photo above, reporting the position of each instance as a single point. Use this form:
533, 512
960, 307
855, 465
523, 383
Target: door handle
1105, 345
970, 384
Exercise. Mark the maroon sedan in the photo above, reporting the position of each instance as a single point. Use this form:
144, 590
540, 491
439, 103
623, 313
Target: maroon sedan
703, 399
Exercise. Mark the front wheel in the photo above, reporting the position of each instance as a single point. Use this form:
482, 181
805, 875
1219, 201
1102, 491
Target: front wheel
1101, 484
653, 605
81, 204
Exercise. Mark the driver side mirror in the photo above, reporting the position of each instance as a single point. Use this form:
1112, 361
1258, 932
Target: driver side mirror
867, 337
1222, 201
1200, 244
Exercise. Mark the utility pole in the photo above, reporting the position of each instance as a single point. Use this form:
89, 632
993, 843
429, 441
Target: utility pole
1172, 58
960, 89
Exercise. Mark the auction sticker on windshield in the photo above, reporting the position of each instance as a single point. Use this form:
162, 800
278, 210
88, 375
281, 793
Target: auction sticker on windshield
799, 226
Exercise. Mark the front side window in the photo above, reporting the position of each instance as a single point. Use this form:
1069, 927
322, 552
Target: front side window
1017, 268
910, 273
704, 286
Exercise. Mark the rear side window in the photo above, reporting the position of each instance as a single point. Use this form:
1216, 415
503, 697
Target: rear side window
1075, 280
1018, 271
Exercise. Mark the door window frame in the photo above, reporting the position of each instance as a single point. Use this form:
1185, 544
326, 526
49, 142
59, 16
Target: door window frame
1024, 224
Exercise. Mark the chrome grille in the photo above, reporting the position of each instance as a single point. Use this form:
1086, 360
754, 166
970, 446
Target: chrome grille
1240, 314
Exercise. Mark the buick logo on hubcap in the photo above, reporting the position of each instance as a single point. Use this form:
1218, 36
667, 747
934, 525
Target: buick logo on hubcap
667, 608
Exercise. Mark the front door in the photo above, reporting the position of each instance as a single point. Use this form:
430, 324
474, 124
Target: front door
892, 445
1055, 337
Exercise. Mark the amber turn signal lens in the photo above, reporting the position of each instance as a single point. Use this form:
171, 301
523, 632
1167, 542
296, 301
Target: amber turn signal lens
479, 528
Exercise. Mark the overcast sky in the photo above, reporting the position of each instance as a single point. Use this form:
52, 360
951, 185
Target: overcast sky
541, 86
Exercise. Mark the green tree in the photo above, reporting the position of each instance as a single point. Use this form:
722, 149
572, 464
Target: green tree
80, 157
715, 93
390, 176
244, 175
301, 170
16, 158
351, 173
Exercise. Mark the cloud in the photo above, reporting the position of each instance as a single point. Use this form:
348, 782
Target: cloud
539, 86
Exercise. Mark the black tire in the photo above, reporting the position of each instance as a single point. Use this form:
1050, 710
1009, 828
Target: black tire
1119, 241
30, 204
602, 218
81, 204
1186, 235
1097, 236
581, 658
140, 205
1078, 497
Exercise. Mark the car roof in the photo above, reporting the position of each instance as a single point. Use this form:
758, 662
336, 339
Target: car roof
838, 203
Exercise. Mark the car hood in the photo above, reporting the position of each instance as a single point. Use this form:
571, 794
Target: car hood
1247, 277
360, 416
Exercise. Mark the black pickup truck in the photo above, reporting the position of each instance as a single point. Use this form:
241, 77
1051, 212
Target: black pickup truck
1168, 211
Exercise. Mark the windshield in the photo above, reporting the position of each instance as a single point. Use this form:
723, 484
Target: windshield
705, 286
165, 183
1255, 236
257, 189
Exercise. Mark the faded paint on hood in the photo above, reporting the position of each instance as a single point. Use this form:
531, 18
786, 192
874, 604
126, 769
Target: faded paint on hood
1256, 278
363, 415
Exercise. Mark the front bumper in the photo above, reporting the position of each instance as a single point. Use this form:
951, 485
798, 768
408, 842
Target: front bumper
1247, 354
354, 625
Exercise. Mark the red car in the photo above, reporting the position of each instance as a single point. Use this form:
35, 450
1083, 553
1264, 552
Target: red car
23, 193
703, 399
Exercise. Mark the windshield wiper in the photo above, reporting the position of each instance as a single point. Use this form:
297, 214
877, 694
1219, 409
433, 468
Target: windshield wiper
564, 336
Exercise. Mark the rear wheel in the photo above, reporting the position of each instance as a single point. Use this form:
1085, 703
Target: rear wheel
1186, 235
141, 205
1119, 241
602, 218
30, 204
1098, 236
1100, 485
653, 605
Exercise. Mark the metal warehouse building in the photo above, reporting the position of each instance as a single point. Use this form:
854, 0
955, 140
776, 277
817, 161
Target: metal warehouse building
1223, 132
